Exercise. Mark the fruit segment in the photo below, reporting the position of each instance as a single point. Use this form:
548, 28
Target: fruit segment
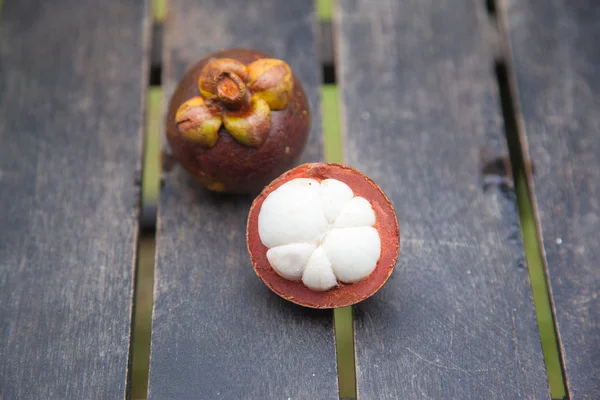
292, 214
353, 252
318, 273
289, 260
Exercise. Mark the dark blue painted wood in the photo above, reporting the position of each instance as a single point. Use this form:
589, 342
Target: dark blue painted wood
421, 115
556, 57
72, 80
218, 331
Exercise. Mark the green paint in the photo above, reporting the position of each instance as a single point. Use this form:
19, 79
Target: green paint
159, 10
325, 9
344, 332
541, 298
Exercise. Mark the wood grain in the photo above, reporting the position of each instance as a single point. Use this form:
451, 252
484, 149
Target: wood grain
556, 60
72, 79
218, 331
421, 116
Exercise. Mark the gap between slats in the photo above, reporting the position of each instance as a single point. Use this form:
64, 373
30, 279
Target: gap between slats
521, 167
142, 319
343, 320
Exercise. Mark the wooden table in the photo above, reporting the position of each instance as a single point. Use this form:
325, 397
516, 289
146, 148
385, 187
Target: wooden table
422, 113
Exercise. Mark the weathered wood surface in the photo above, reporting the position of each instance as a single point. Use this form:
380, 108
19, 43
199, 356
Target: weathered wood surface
556, 59
218, 331
72, 77
421, 111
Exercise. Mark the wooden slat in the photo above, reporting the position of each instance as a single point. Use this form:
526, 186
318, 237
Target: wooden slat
218, 332
556, 58
421, 116
72, 81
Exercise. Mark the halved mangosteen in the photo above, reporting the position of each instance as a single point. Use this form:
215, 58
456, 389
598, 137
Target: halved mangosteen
323, 235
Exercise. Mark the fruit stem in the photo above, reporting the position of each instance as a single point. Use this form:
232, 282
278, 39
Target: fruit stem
231, 90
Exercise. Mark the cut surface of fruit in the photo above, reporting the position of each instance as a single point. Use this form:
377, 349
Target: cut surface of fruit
323, 236
345, 246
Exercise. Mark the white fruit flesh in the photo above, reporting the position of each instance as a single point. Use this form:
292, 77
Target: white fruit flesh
319, 233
